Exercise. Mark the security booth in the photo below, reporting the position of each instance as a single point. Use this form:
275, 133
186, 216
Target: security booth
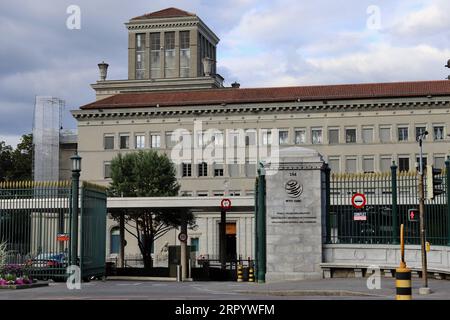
175, 259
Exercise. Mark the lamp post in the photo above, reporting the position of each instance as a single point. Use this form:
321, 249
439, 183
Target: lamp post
76, 168
424, 289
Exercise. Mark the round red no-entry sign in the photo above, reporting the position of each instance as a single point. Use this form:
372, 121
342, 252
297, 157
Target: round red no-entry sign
225, 204
359, 200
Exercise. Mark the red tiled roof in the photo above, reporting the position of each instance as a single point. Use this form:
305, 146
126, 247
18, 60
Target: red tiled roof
165, 13
282, 94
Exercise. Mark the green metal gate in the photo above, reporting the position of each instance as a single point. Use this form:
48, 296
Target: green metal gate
36, 224
390, 196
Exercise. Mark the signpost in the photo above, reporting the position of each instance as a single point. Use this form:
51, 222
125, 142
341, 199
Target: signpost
225, 204
359, 200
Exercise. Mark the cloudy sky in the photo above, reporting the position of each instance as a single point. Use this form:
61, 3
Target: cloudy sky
263, 43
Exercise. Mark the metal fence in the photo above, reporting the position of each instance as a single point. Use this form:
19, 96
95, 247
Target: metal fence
389, 196
36, 224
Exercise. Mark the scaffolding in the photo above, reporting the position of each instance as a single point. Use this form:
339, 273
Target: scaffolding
47, 123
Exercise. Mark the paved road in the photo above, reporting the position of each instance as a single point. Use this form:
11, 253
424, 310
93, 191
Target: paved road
328, 289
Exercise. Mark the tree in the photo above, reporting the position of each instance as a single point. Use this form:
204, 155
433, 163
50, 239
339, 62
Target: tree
147, 174
16, 164
5, 160
22, 159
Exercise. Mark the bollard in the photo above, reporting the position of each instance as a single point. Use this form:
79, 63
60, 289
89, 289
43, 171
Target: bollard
179, 273
239, 273
403, 283
251, 273
403, 274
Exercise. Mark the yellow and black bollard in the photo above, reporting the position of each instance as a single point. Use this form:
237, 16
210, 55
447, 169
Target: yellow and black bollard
251, 273
239, 273
403, 275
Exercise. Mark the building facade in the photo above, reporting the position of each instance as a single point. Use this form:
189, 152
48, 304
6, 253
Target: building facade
174, 101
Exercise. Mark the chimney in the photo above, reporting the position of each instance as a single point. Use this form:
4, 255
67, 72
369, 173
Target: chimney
207, 66
103, 69
236, 85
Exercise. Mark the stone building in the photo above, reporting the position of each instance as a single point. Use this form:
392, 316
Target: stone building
174, 98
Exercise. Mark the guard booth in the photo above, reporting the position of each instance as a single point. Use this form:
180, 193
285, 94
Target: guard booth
175, 259
37, 226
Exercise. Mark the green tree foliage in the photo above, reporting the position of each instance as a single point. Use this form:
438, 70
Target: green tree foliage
16, 164
147, 174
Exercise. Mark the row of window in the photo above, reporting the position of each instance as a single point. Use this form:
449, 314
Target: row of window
217, 193
169, 54
205, 170
300, 137
367, 163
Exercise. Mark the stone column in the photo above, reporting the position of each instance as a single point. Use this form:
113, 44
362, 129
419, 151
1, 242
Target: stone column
294, 215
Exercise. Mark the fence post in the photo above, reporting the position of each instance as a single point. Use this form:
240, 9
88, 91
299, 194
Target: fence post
255, 255
327, 171
447, 189
394, 203
261, 224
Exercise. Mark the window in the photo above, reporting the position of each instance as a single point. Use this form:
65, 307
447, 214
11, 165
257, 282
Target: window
385, 134
334, 164
438, 133
420, 130
203, 169
368, 164
300, 136
350, 165
169, 62
367, 135
233, 170
155, 55
108, 142
266, 137
350, 135
115, 241
186, 193
250, 137
385, 164
187, 169
217, 138
155, 140
139, 141
170, 143
333, 136
140, 55
403, 134
124, 141
185, 54
403, 163
424, 162
250, 192
283, 136
250, 168
316, 135
202, 193
439, 161
218, 170
235, 193
195, 245
107, 170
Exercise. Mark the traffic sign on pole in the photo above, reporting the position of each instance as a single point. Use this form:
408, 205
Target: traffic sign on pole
225, 204
359, 200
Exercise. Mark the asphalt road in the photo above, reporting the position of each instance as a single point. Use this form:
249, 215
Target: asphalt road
325, 289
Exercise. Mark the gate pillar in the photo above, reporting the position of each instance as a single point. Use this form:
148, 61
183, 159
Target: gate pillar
295, 215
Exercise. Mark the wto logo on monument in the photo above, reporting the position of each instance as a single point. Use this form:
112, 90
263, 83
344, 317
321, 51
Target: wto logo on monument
293, 188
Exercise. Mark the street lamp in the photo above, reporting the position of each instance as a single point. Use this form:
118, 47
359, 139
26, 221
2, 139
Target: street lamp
424, 289
448, 66
76, 168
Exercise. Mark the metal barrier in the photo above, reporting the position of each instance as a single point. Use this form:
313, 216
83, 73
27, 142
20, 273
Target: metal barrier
36, 224
390, 196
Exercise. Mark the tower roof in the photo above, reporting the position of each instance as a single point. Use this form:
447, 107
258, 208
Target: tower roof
165, 13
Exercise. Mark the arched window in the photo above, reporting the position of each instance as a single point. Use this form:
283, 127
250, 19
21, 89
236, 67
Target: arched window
115, 240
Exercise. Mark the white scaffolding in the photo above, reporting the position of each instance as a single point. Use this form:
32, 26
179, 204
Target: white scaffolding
46, 127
